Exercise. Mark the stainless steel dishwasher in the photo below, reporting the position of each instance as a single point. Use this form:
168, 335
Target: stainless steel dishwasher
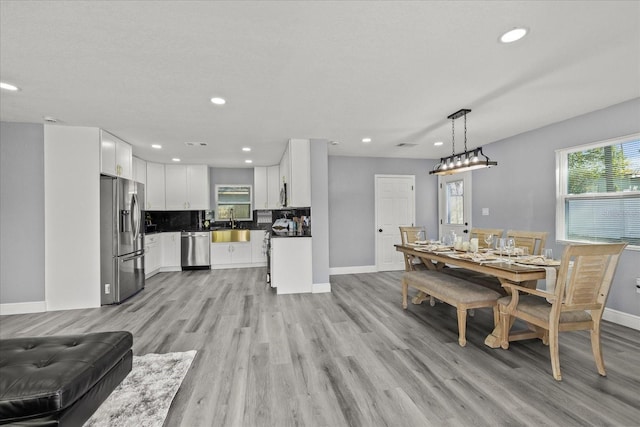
195, 249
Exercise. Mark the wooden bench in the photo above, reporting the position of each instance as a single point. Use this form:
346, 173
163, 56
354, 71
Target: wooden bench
456, 292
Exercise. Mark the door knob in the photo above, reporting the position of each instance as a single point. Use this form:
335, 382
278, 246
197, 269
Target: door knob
465, 231
379, 230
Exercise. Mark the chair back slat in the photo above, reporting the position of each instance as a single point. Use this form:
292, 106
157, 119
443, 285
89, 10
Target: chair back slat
482, 233
533, 240
586, 279
586, 274
408, 234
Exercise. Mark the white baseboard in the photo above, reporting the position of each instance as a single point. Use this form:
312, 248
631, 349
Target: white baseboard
353, 270
246, 265
23, 308
170, 269
621, 318
319, 288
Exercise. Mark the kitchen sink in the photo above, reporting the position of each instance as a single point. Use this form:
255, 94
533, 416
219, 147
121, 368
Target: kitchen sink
230, 235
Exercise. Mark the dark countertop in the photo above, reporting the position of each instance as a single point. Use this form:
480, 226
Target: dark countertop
277, 234
194, 230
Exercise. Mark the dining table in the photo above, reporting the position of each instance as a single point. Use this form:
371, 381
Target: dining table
521, 270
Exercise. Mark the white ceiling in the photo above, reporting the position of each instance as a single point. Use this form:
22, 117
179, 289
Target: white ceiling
338, 70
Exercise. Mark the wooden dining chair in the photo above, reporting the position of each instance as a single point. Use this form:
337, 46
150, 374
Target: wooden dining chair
577, 302
410, 235
481, 233
533, 240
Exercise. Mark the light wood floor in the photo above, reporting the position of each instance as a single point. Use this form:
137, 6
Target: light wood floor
352, 357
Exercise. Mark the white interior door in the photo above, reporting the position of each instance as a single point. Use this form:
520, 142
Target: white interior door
454, 204
395, 206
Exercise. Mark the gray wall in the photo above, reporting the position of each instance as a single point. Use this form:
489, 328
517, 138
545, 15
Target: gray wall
243, 176
352, 204
320, 210
520, 191
21, 212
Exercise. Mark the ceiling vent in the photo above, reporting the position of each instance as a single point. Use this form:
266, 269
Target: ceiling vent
406, 144
195, 144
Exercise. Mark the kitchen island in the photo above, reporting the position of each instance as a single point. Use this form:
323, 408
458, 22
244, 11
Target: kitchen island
291, 263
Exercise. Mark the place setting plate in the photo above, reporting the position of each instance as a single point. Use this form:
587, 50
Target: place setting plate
538, 260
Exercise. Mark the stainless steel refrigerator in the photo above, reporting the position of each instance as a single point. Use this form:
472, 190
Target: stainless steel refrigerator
121, 239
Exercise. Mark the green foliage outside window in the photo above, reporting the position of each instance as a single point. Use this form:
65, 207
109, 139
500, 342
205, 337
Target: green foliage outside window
601, 170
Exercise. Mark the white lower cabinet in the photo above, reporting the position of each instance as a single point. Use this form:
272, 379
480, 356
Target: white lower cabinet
230, 254
170, 251
258, 251
152, 254
161, 253
291, 265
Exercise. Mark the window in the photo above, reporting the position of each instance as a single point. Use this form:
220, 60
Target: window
455, 202
598, 192
233, 198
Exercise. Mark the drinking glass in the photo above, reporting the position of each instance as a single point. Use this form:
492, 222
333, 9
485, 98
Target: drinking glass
548, 253
500, 245
488, 239
420, 236
510, 246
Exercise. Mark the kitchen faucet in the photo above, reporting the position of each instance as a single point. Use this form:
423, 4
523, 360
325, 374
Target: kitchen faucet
233, 219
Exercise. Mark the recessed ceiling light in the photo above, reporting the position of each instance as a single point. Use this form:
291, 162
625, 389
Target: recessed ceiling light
218, 101
8, 86
50, 119
438, 143
513, 35
156, 146
366, 140
248, 161
335, 142
246, 149
175, 159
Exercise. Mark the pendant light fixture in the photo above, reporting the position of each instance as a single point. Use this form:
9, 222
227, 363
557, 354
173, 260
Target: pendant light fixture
465, 161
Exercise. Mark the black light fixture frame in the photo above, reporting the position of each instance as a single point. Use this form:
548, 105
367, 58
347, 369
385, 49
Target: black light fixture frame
465, 161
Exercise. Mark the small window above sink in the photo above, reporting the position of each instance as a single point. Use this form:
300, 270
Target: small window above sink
233, 200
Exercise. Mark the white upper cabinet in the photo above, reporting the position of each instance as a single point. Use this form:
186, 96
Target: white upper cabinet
198, 193
187, 187
273, 186
285, 173
175, 187
154, 190
116, 157
266, 187
260, 183
294, 169
297, 172
139, 171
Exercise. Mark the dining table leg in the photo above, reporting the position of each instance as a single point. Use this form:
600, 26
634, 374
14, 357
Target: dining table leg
494, 339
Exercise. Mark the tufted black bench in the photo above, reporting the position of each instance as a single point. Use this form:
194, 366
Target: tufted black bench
60, 380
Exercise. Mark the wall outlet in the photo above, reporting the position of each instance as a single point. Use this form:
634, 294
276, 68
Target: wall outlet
485, 211
107, 288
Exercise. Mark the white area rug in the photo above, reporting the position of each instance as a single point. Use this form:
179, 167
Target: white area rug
143, 398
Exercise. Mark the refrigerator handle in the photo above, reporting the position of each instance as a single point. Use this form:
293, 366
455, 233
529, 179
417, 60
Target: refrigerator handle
131, 258
135, 216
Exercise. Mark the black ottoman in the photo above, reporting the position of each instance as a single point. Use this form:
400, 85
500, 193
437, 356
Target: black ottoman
60, 380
